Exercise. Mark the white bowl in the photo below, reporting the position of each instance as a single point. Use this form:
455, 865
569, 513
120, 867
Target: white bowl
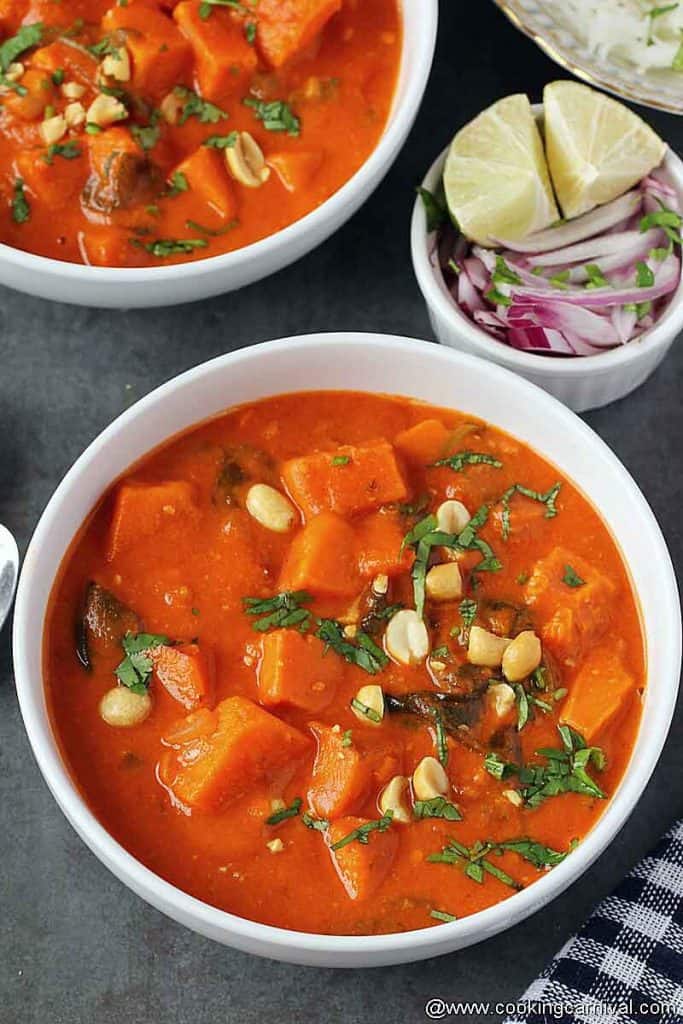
585, 382
374, 363
134, 287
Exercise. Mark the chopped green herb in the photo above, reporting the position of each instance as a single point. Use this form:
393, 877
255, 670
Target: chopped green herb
474, 861
440, 653
548, 499
435, 209
596, 278
147, 135
195, 611
498, 298
677, 62
523, 578
367, 712
641, 309
657, 12
92, 129
179, 183
572, 578
459, 460
67, 150
441, 738
340, 460
212, 232
560, 279
496, 766
275, 115
26, 37
195, 106
206, 5
58, 76
522, 701
560, 693
163, 247
319, 824
438, 807
442, 915
504, 274
283, 611
362, 833
286, 812
221, 141
668, 220
250, 32
363, 651
21, 211
136, 668
103, 48
535, 853
347, 738
644, 276
565, 770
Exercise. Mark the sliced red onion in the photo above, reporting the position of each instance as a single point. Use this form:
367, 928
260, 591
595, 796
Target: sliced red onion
588, 224
487, 318
477, 273
562, 316
667, 276
538, 339
594, 249
468, 297
619, 260
625, 322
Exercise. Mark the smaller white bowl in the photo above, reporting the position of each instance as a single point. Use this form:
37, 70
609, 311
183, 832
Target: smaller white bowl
581, 382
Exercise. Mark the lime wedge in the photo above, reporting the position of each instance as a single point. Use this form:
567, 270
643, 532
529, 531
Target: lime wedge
597, 148
496, 178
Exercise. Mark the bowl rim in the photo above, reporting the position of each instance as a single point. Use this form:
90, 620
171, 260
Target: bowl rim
401, 115
282, 943
436, 297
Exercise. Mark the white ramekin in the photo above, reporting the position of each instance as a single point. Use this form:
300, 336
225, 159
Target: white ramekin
580, 382
371, 363
127, 288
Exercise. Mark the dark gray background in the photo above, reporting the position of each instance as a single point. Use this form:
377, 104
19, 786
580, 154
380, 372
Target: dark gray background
76, 947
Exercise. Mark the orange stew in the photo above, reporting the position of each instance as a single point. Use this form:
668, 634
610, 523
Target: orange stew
135, 133
345, 663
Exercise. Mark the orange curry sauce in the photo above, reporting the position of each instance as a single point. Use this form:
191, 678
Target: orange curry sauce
121, 121
244, 723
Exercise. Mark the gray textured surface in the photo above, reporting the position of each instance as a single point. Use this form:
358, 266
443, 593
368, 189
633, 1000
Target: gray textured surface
76, 947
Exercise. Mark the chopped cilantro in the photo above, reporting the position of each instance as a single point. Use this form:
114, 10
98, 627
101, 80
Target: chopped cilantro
438, 807
67, 150
340, 460
195, 106
362, 833
163, 247
21, 211
283, 611
178, 182
136, 668
644, 276
286, 812
572, 578
435, 209
26, 37
459, 460
221, 141
275, 115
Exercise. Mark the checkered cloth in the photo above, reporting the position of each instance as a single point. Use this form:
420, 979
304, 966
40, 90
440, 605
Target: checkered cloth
625, 965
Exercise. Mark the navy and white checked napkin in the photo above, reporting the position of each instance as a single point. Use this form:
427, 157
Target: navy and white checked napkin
625, 965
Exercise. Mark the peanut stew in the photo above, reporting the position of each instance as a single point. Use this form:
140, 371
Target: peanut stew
136, 133
345, 663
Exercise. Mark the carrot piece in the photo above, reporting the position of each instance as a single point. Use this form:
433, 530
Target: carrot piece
380, 536
286, 27
340, 778
362, 867
424, 443
223, 57
574, 618
31, 104
296, 671
161, 54
141, 510
77, 62
322, 558
249, 746
296, 170
208, 179
351, 479
597, 694
185, 672
54, 183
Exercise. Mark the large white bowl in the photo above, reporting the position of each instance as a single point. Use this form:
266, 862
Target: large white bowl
374, 363
127, 288
586, 382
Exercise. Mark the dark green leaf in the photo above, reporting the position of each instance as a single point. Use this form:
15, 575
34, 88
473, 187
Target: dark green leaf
275, 115
136, 668
572, 578
163, 247
442, 915
286, 812
221, 141
26, 37
438, 807
283, 611
21, 211
459, 460
435, 209
362, 833
195, 106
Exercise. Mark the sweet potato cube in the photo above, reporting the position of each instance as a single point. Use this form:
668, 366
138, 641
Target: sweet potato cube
78, 64
424, 443
340, 778
141, 510
185, 672
322, 558
295, 671
351, 479
598, 693
223, 57
161, 55
286, 27
209, 183
573, 618
380, 536
296, 170
248, 747
56, 182
362, 867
